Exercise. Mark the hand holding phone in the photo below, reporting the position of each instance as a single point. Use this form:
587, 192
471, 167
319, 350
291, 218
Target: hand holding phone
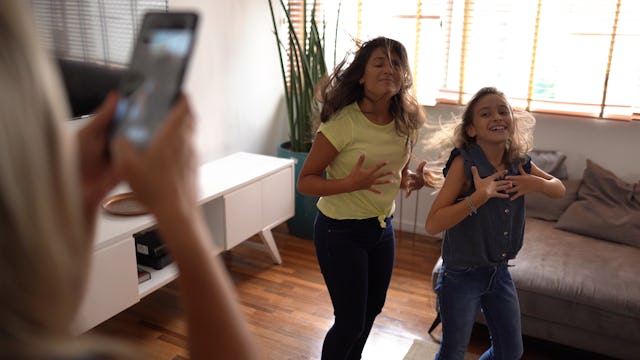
155, 75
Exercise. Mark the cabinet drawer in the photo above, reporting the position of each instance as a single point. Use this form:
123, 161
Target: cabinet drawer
243, 214
112, 285
277, 198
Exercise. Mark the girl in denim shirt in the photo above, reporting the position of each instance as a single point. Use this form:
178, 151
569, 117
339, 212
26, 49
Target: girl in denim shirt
480, 208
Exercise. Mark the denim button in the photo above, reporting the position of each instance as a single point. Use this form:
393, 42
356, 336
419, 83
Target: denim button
506, 233
506, 211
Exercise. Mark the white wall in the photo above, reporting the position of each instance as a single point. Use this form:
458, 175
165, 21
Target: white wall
235, 86
234, 79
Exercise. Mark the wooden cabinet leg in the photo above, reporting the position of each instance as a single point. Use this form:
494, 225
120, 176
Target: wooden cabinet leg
270, 243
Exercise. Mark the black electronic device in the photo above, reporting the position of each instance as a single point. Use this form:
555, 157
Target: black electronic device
87, 84
149, 243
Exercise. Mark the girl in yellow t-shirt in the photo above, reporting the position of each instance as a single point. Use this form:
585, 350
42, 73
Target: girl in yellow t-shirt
369, 124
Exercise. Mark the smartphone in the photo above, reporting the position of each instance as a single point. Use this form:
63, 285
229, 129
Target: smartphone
154, 78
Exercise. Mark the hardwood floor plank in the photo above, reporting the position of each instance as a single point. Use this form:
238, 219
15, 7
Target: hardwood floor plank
288, 309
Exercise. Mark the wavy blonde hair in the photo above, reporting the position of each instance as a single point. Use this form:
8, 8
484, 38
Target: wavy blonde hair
451, 135
45, 245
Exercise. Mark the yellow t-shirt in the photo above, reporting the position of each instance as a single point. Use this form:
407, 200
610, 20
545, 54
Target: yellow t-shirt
352, 134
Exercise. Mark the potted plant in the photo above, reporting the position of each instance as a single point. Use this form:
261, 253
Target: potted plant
303, 65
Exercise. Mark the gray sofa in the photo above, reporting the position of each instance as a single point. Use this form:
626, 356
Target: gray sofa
578, 273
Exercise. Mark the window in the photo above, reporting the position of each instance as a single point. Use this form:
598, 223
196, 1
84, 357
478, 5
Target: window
96, 31
416, 24
561, 56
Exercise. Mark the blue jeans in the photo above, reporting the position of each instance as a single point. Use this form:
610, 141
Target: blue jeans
464, 290
356, 259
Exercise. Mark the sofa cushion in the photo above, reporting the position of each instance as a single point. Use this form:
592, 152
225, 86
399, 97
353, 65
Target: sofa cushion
542, 207
551, 162
575, 280
607, 208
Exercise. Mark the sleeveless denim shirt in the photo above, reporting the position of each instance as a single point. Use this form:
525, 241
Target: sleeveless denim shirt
494, 234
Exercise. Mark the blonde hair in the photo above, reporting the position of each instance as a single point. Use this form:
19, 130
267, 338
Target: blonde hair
451, 135
45, 246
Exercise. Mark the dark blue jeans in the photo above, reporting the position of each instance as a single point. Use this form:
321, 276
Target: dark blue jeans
356, 259
464, 290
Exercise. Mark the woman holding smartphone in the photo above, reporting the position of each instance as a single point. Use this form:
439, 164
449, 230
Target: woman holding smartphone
51, 183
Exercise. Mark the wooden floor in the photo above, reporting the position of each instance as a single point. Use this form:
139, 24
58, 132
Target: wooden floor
289, 311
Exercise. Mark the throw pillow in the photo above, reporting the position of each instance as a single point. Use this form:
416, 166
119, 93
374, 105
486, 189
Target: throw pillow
551, 162
540, 206
607, 208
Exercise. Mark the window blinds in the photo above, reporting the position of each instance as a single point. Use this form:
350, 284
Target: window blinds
560, 56
96, 31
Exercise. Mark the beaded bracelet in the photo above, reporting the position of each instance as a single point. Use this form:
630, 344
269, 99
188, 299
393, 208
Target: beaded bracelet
473, 208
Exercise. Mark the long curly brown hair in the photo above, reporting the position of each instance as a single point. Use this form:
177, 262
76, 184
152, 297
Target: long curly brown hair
343, 88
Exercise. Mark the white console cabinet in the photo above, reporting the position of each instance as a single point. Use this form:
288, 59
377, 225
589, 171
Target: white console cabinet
242, 195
